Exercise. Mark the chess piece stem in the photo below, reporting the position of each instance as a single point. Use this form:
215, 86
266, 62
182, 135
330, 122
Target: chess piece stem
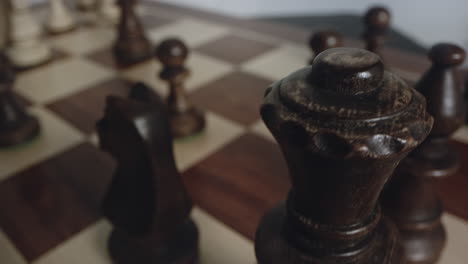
131, 45
410, 199
342, 134
27, 48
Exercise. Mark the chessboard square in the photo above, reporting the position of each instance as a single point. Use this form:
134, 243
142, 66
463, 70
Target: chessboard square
84, 108
261, 129
461, 134
280, 62
8, 253
203, 70
85, 40
60, 79
238, 183
88, 246
193, 32
151, 21
237, 96
235, 49
48, 203
56, 136
219, 243
455, 250
217, 133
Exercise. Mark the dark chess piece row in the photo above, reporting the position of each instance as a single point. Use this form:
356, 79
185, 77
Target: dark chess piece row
376, 23
410, 199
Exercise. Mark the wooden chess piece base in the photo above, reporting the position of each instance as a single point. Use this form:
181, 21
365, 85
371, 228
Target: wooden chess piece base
272, 247
19, 132
423, 243
132, 51
187, 123
183, 249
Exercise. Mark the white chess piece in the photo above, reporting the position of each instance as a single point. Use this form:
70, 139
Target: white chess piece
109, 10
59, 19
27, 47
86, 5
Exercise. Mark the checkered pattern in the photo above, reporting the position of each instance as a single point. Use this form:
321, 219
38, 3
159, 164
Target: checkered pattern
50, 190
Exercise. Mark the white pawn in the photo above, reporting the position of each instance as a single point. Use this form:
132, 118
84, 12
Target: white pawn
109, 10
59, 19
27, 47
86, 5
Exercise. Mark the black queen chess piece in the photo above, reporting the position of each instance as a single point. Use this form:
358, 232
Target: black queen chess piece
343, 125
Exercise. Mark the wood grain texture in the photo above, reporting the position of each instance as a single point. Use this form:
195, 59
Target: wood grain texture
240, 182
84, 108
47, 203
236, 96
235, 49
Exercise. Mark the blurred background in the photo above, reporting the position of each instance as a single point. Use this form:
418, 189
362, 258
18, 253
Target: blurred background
422, 22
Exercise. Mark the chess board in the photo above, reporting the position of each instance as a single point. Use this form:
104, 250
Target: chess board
51, 188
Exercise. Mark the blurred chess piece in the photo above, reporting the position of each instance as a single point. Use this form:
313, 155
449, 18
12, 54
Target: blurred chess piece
377, 22
85, 5
16, 125
131, 45
410, 198
109, 11
146, 202
59, 19
26, 46
323, 40
186, 120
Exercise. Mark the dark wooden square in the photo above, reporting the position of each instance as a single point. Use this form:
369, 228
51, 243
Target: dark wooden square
48, 203
105, 57
236, 96
235, 49
84, 108
240, 182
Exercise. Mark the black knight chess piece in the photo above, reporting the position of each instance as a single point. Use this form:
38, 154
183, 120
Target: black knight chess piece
16, 125
343, 125
146, 202
376, 22
410, 199
132, 45
323, 40
186, 120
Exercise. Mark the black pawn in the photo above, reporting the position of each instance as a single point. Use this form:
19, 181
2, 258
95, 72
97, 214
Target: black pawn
132, 45
377, 22
16, 125
186, 120
410, 198
323, 40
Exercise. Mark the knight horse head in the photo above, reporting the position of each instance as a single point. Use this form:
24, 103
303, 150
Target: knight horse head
146, 185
